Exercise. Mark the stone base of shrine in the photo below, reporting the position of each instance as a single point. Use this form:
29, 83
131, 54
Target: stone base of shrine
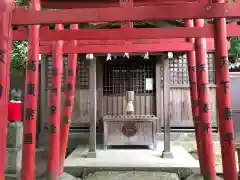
129, 159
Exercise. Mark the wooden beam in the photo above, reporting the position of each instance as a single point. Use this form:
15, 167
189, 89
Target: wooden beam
119, 34
157, 47
112, 14
233, 30
166, 99
101, 4
123, 42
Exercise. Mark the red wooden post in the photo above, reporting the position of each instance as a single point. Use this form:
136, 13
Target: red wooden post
208, 168
55, 109
224, 100
31, 98
69, 95
192, 73
5, 55
126, 24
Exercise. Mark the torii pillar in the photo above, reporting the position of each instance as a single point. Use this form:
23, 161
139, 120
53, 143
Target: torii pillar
208, 168
30, 100
192, 73
5, 58
224, 100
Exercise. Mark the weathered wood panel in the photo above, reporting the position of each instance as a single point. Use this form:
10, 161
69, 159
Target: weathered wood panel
180, 106
81, 108
180, 102
143, 136
159, 93
235, 89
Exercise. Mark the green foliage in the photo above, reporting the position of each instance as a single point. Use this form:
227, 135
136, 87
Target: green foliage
19, 55
19, 2
235, 46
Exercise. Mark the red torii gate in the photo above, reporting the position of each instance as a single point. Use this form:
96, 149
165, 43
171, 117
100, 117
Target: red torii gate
197, 69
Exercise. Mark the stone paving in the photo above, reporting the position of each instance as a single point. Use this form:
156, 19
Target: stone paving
199, 177
185, 174
190, 146
131, 175
187, 141
182, 174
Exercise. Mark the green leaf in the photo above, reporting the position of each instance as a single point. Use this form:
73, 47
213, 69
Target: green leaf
19, 55
235, 46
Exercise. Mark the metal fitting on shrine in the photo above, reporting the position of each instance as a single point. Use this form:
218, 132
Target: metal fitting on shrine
130, 99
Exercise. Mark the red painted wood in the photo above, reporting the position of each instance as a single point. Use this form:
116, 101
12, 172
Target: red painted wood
121, 34
126, 24
121, 48
192, 74
224, 101
101, 4
210, 41
51, 4
208, 166
6, 5
160, 45
5, 31
55, 110
233, 30
30, 101
122, 42
112, 14
69, 96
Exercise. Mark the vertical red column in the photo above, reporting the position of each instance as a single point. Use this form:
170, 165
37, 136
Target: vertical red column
55, 109
126, 3
5, 59
192, 73
69, 96
31, 98
224, 100
208, 168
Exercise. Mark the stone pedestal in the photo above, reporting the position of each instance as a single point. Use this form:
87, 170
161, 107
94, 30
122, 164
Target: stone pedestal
14, 150
15, 134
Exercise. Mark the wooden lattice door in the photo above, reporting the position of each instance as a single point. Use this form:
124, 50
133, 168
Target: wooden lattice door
121, 75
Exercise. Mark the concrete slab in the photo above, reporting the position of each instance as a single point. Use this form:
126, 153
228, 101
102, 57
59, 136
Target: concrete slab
130, 158
66, 176
131, 175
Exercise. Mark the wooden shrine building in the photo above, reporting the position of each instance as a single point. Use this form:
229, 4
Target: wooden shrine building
161, 91
131, 70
